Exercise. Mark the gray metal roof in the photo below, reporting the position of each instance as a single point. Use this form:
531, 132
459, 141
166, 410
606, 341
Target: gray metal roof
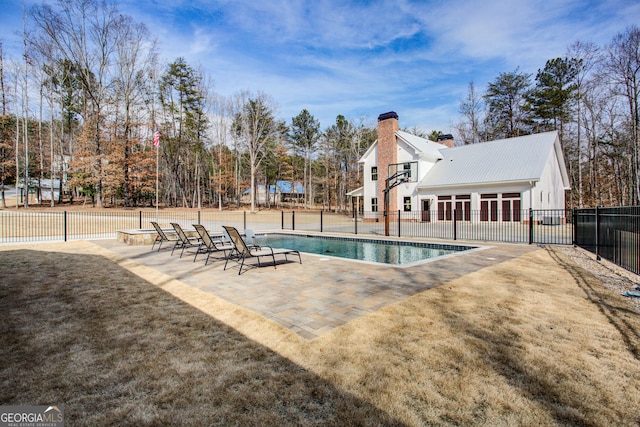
506, 160
424, 148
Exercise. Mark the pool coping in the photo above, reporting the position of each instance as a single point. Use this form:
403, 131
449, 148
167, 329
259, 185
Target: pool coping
387, 239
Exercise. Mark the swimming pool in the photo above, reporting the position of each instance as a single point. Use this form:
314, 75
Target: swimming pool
369, 250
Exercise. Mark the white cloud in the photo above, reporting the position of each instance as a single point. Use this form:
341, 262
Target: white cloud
363, 58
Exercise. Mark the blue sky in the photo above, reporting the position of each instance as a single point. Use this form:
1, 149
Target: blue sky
363, 58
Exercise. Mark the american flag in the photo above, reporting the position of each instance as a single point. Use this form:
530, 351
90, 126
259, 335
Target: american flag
156, 137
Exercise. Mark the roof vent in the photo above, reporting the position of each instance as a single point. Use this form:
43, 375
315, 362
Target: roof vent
389, 115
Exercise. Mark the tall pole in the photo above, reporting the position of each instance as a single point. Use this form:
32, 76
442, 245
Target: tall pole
157, 169
386, 208
25, 110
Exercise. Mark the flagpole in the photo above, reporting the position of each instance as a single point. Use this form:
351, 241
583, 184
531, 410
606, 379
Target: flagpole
157, 157
156, 142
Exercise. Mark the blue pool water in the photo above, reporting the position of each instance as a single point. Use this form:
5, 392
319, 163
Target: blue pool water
371, 250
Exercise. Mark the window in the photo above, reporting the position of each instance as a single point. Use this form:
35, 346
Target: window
445, 208
407, 204
374, 204
463, 207
511, 207
374, 174
460, 204
489, 207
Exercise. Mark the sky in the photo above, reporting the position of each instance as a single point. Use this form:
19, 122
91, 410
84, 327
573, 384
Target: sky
363, 58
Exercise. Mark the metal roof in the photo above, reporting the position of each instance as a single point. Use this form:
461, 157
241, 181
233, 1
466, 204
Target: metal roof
424, 147
282, 187
506, 160
290, 187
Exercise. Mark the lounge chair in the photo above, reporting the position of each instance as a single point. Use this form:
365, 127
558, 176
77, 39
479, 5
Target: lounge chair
241, 251
161, 237
208, 245
184, 241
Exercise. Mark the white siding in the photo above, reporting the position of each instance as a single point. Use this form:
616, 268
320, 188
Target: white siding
550, 186
370, 187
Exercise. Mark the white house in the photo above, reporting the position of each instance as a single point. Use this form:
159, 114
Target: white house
498, 178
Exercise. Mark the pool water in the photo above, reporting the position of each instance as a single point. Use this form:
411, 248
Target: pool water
378, 251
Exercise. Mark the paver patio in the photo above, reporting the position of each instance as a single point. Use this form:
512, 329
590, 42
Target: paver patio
322, 293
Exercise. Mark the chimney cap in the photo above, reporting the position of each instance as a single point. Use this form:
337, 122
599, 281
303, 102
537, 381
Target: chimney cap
445, 137
389, 115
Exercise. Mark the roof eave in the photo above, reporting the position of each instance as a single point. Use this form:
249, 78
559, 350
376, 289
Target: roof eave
529, 181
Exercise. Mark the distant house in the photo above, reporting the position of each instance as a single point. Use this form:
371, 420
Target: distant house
290, 191
282, 192
497, 178
44, 189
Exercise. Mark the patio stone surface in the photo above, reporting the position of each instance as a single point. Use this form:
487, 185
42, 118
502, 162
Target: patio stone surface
322, 293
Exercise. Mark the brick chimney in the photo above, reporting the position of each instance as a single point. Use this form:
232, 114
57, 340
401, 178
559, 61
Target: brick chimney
447, 140
387, 154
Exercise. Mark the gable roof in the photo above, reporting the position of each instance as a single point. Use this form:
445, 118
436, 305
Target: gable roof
424, 148
518, 159
290, 187
281, 186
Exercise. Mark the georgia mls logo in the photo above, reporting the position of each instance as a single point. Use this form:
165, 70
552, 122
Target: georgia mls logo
31, 416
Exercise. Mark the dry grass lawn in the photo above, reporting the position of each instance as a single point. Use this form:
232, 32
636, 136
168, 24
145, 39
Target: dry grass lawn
532, 341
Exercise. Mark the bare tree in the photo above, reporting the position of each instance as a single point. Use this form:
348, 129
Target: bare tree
220, 110
135, 54
84, 33
587, 55
623, 69
470, 108
257, 127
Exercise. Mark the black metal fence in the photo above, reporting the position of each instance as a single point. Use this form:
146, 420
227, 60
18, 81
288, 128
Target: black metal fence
610, 233
548, 226
513, 226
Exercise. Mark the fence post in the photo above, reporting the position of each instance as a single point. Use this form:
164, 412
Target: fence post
200, 222
321, 228
455, 225
64, 224
574, 216
282, 220
598, 233
293, 220
140, 220
356, 222
245, 219
530, 226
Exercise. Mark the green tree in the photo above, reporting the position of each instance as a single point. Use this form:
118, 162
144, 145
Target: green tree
506, 98
184, 125
551, 98
342, 152
304, 133
433, 136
